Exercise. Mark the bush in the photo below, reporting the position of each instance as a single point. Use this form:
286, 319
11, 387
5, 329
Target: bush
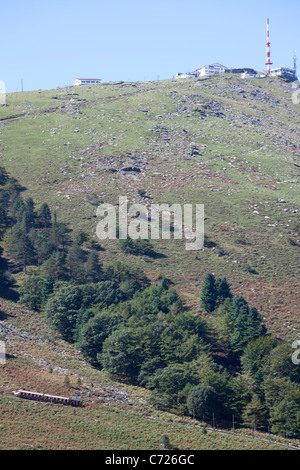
202, 402
62, 309
136, 247
31, 292
123, 353
171, 380
95, 331
165, 442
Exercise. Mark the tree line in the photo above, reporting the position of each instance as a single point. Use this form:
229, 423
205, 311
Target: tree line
141, 333
34, 237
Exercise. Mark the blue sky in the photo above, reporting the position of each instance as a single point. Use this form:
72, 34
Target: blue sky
47, 44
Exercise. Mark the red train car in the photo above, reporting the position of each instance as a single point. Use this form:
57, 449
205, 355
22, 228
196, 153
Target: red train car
29, 395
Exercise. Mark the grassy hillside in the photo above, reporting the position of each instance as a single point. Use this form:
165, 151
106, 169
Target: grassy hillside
228, 143
115, 416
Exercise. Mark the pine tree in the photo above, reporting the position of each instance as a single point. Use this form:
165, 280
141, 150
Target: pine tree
81, 237
4, 220
58, 234
42, 245
75, 259
48, 289
55, 267
3, 176
19, 246
93, 267
67, 381
246, 324
208, 295
6, 279
18, 208
44, 215
27, 221
223, 290
255, 413
29, 205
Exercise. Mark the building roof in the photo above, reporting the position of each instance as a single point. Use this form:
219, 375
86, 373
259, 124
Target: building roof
216, 64
220, 65
87, 79
283, 68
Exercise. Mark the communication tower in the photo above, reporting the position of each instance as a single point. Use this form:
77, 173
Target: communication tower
268, 63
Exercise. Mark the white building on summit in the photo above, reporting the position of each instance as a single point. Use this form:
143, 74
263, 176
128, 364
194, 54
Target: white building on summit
86, 81
211, 69
203, 71
284, 72
187, 75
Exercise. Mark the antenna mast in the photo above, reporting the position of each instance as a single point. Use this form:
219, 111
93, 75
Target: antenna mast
268, 63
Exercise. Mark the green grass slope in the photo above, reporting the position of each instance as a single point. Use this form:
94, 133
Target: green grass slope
230, 144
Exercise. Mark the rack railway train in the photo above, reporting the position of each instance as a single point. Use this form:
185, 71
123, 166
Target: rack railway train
73, 401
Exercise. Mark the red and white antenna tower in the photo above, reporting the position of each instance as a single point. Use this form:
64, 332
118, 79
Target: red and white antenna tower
268, 63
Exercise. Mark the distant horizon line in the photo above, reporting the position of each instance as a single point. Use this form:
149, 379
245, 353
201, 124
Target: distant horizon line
124, 81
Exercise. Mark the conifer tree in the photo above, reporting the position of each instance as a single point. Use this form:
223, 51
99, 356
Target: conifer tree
92, 267
3, 176
74, 259
44, 215
246, 324
19, 246
18, 208
223, 290
6, 279
208, 295
42, 245
4, 221
58, 234
255, 414
55, 267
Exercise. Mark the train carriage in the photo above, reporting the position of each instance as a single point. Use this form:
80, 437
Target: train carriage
73, 401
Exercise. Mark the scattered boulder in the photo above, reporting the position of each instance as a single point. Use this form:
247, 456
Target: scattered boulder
131, 168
